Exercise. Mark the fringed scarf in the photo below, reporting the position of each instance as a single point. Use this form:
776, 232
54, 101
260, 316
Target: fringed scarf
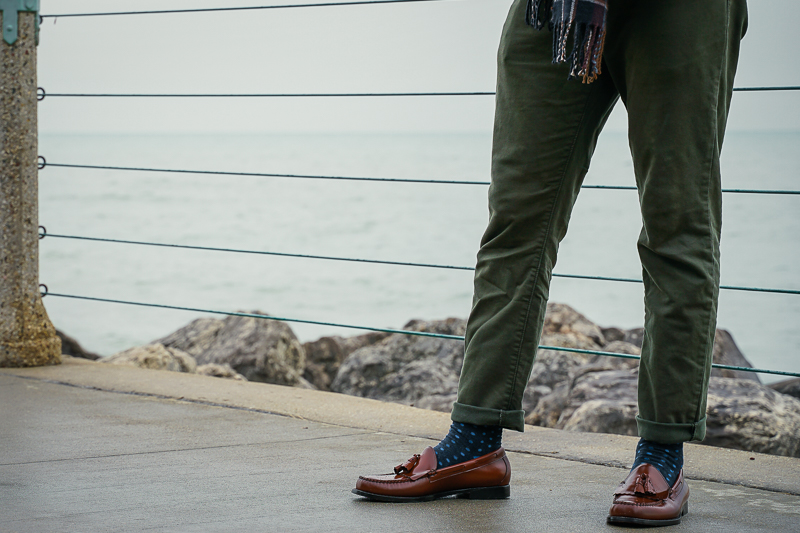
588, 17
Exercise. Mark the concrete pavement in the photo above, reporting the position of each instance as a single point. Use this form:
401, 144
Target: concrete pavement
94, 447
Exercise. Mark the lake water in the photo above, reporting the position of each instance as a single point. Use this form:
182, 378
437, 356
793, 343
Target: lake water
392, 221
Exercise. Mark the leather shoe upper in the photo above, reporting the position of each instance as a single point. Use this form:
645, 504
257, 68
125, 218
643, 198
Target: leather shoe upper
645, 495
419, 476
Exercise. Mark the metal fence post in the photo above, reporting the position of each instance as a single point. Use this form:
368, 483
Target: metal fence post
27, 337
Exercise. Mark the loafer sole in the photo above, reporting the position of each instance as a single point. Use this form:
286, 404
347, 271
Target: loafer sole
644, 522
478, 493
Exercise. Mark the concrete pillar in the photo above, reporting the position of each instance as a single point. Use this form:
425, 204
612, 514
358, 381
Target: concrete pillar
27, 337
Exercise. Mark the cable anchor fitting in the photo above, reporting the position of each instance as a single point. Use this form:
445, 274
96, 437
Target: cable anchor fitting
11, 10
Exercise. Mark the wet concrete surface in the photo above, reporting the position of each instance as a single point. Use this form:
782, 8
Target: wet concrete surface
74, 458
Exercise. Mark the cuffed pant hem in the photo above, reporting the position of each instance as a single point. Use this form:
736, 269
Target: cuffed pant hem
483, 416
671, 433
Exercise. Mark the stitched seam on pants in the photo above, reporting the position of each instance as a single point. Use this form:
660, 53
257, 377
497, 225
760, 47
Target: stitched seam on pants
547, 233
711, 324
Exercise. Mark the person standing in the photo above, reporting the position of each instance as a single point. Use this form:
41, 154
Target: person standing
672, 63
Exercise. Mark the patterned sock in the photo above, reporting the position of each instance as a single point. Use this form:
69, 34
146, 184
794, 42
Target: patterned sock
667, 458
465, 442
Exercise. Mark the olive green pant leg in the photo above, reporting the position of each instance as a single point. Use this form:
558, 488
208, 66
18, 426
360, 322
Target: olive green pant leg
545, 132
674, 63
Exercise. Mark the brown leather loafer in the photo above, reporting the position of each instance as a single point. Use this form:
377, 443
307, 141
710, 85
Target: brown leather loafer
418, 479
645, 499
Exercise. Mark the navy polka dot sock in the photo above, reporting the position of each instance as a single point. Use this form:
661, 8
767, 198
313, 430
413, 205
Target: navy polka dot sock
467, 441
667, 458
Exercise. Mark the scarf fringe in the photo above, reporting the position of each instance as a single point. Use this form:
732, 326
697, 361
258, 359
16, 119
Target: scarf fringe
587, 52
539, 13
585, 59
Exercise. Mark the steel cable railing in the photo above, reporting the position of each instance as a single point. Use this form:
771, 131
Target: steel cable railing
236, 8
382, 330
43, 163
42, 94
43, 233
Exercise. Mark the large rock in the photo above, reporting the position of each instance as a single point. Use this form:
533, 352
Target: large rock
197, 337
615, 363
727, 353
604, 379
553, 369
154, 356
604, 416
71, 347
220, 371
613, 334
789, 386
745, 415
565, 327
601, 401
324, 356
414, 370
563, 322
634, 336
259, 349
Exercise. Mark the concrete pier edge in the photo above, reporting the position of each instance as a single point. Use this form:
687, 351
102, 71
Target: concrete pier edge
706, 463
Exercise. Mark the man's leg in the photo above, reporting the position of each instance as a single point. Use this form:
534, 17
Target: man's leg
545, 132
674, 64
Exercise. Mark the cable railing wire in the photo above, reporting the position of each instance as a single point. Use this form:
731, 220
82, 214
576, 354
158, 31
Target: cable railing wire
43, 94
265, 174
382, 330
235, 8
767, 88
43, 233
44, 163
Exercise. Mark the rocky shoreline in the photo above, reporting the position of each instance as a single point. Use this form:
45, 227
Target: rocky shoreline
569, 391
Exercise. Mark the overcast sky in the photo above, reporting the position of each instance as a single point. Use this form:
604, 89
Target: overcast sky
431, 46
